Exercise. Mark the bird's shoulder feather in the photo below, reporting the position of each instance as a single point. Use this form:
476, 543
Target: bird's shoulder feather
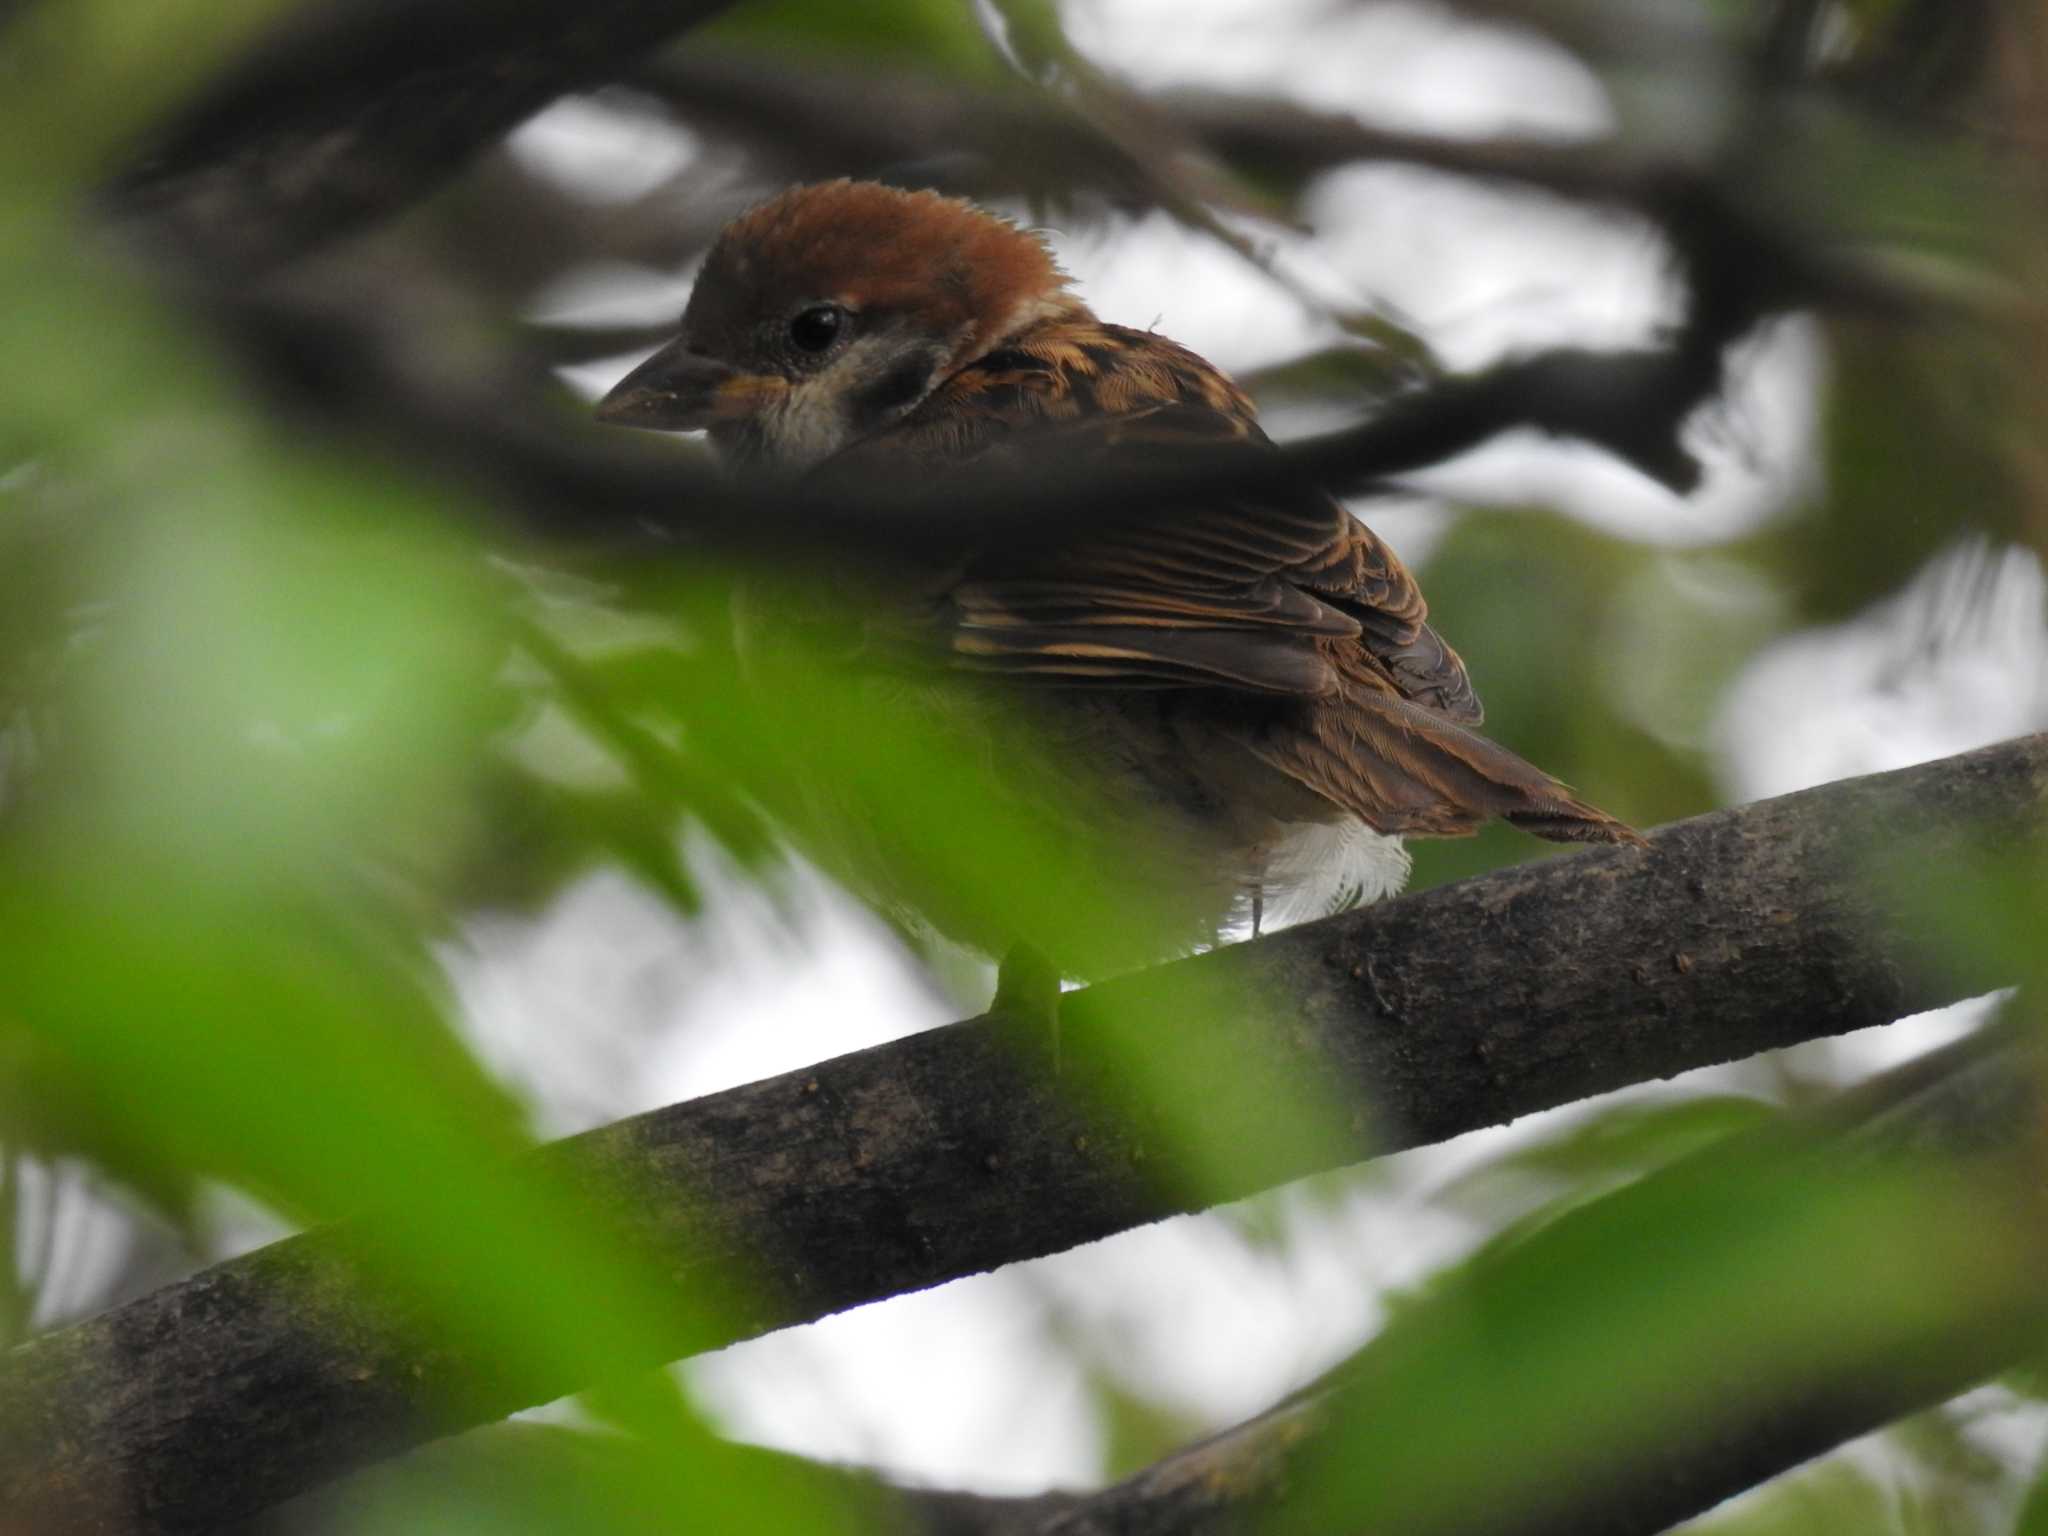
1279, 592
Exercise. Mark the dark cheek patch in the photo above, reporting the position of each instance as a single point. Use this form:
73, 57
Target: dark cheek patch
903, 385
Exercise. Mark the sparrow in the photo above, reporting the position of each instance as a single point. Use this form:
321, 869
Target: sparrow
1250, 680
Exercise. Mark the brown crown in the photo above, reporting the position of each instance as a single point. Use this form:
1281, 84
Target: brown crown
873, 248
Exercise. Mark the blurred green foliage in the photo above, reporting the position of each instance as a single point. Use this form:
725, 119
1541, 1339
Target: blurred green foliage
934, 35
1683, 1305
1538, 605
274, 717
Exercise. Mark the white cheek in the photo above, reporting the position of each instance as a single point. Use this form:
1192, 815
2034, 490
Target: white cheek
816, 418
806, 426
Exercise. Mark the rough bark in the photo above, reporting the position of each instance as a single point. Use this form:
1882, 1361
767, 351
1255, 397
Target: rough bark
951, 1152
1977, 1101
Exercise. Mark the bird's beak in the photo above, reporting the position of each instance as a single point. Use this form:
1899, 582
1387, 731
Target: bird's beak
677, 390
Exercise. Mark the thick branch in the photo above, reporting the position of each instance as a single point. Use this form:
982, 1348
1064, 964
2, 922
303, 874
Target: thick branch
943, 1155
1977, 1100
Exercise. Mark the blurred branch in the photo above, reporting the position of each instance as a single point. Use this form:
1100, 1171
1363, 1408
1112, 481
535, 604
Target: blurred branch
805, 122
344, 114
524, 1469
1945, 63
505, 230
350, 109
17, 1291
808, 122
369, 366
946, 1154
1785, 45
1744, 261
1634, 404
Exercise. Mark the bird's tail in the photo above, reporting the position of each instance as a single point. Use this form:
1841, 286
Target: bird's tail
1403, 768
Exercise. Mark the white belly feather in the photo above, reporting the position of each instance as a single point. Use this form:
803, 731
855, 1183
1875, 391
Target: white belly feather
1321, 868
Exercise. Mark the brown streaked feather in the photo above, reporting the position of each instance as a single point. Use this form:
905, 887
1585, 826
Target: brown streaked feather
1283, 598
1403, 768
1056, 654
1284, 577
1264, 603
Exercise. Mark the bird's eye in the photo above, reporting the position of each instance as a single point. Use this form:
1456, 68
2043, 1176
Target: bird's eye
817, 328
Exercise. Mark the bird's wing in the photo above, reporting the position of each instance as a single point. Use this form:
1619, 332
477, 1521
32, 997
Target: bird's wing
1281, 592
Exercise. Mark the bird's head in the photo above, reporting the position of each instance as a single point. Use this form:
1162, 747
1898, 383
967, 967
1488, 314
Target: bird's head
831, 312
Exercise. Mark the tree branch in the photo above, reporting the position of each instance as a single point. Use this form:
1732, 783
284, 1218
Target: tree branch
525, 1467
943, 1155
344, 114
350, 109
1742, 262
374, 370
1978, 1100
